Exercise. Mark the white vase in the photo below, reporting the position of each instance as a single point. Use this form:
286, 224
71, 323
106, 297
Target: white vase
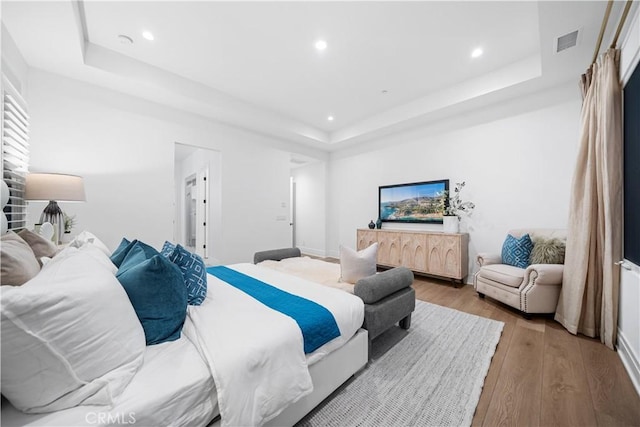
451, 224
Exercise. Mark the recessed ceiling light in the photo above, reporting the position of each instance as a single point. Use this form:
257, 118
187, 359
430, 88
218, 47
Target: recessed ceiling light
477, 52
321, 45
148, 35
125, 39
330, 118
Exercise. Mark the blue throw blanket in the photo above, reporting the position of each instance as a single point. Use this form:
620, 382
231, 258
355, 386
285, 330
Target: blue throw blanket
317, 324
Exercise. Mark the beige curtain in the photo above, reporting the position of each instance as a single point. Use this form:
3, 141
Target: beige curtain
589, 298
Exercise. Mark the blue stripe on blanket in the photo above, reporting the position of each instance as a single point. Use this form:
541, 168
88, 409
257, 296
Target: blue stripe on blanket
316, 322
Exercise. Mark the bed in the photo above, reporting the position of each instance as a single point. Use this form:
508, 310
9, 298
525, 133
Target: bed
183, 398
225, 346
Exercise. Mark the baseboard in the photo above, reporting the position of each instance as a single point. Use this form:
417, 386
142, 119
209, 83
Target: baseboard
212, 262
333, 254
312, 251
629, 360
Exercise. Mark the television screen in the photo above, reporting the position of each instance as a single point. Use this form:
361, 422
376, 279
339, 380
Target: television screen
416, 202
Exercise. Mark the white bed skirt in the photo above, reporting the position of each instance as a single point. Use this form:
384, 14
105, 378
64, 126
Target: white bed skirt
327, 375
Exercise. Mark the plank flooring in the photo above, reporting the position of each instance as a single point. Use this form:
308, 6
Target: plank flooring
541, 375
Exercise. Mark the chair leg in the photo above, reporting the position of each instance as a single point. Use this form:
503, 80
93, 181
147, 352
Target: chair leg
406, 322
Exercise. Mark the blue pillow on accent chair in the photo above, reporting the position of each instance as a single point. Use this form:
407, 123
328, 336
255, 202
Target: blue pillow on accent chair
194, 272
516, 252
157, 293
121, 251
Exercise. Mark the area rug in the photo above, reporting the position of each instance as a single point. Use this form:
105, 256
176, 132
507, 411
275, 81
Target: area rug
432, 377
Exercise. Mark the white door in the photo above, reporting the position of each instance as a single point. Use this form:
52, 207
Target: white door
292, 211
190, 209
196, 218
202, 214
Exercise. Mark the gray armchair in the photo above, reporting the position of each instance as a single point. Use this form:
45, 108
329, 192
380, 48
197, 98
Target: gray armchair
534, 289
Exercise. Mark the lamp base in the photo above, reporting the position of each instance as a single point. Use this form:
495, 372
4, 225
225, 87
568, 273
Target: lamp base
53, 214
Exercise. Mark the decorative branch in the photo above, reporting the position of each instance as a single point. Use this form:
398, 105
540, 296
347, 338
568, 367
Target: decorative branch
456, 206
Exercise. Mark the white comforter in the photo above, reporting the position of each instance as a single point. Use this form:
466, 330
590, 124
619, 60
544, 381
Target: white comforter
256, 354
318, 271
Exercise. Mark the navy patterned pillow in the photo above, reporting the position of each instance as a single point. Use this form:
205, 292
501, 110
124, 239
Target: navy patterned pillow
194, 273
516, 252
167, 249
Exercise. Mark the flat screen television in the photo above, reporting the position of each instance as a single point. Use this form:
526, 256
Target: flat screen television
419, 202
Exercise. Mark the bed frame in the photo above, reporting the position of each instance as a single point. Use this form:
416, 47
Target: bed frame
327, 375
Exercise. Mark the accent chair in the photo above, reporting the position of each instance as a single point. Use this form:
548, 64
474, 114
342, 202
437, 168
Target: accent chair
533, 288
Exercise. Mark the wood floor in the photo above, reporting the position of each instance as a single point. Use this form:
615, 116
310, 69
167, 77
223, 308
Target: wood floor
540, 374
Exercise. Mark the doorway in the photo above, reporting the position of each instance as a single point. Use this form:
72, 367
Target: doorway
190, 207
197, 223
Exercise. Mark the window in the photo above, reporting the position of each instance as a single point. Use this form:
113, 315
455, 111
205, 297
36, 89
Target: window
15, 153
631, 174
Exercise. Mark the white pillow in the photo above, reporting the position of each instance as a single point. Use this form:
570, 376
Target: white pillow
69, 337
356, 265
87, 237
98, 254
87, 248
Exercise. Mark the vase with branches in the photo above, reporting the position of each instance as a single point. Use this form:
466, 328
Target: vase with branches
456, 206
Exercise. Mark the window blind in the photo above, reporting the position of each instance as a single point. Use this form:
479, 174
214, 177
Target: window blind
15, 153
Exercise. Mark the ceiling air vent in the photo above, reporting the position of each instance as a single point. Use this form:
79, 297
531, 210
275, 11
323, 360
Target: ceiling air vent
566, 41
298, 161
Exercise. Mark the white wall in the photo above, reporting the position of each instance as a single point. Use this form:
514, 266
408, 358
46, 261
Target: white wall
518, 171
124, 148
13, 65
629, 315
311, 218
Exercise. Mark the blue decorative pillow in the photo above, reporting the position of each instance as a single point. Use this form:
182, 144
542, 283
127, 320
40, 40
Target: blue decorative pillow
138, 253
516, 252
194, 272
121, 251
167, 249
157, 293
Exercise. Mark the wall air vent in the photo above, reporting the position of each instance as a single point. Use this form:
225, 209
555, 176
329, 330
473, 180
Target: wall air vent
567, 41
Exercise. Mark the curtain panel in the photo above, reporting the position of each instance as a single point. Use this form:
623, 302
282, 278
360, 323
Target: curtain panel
588, 301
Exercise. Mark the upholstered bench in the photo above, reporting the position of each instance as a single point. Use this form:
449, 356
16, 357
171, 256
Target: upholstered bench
388, 296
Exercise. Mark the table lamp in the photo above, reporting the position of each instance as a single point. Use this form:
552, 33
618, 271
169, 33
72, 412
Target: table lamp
54, 187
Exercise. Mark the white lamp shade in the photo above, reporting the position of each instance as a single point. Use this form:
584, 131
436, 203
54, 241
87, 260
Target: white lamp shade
53, 186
